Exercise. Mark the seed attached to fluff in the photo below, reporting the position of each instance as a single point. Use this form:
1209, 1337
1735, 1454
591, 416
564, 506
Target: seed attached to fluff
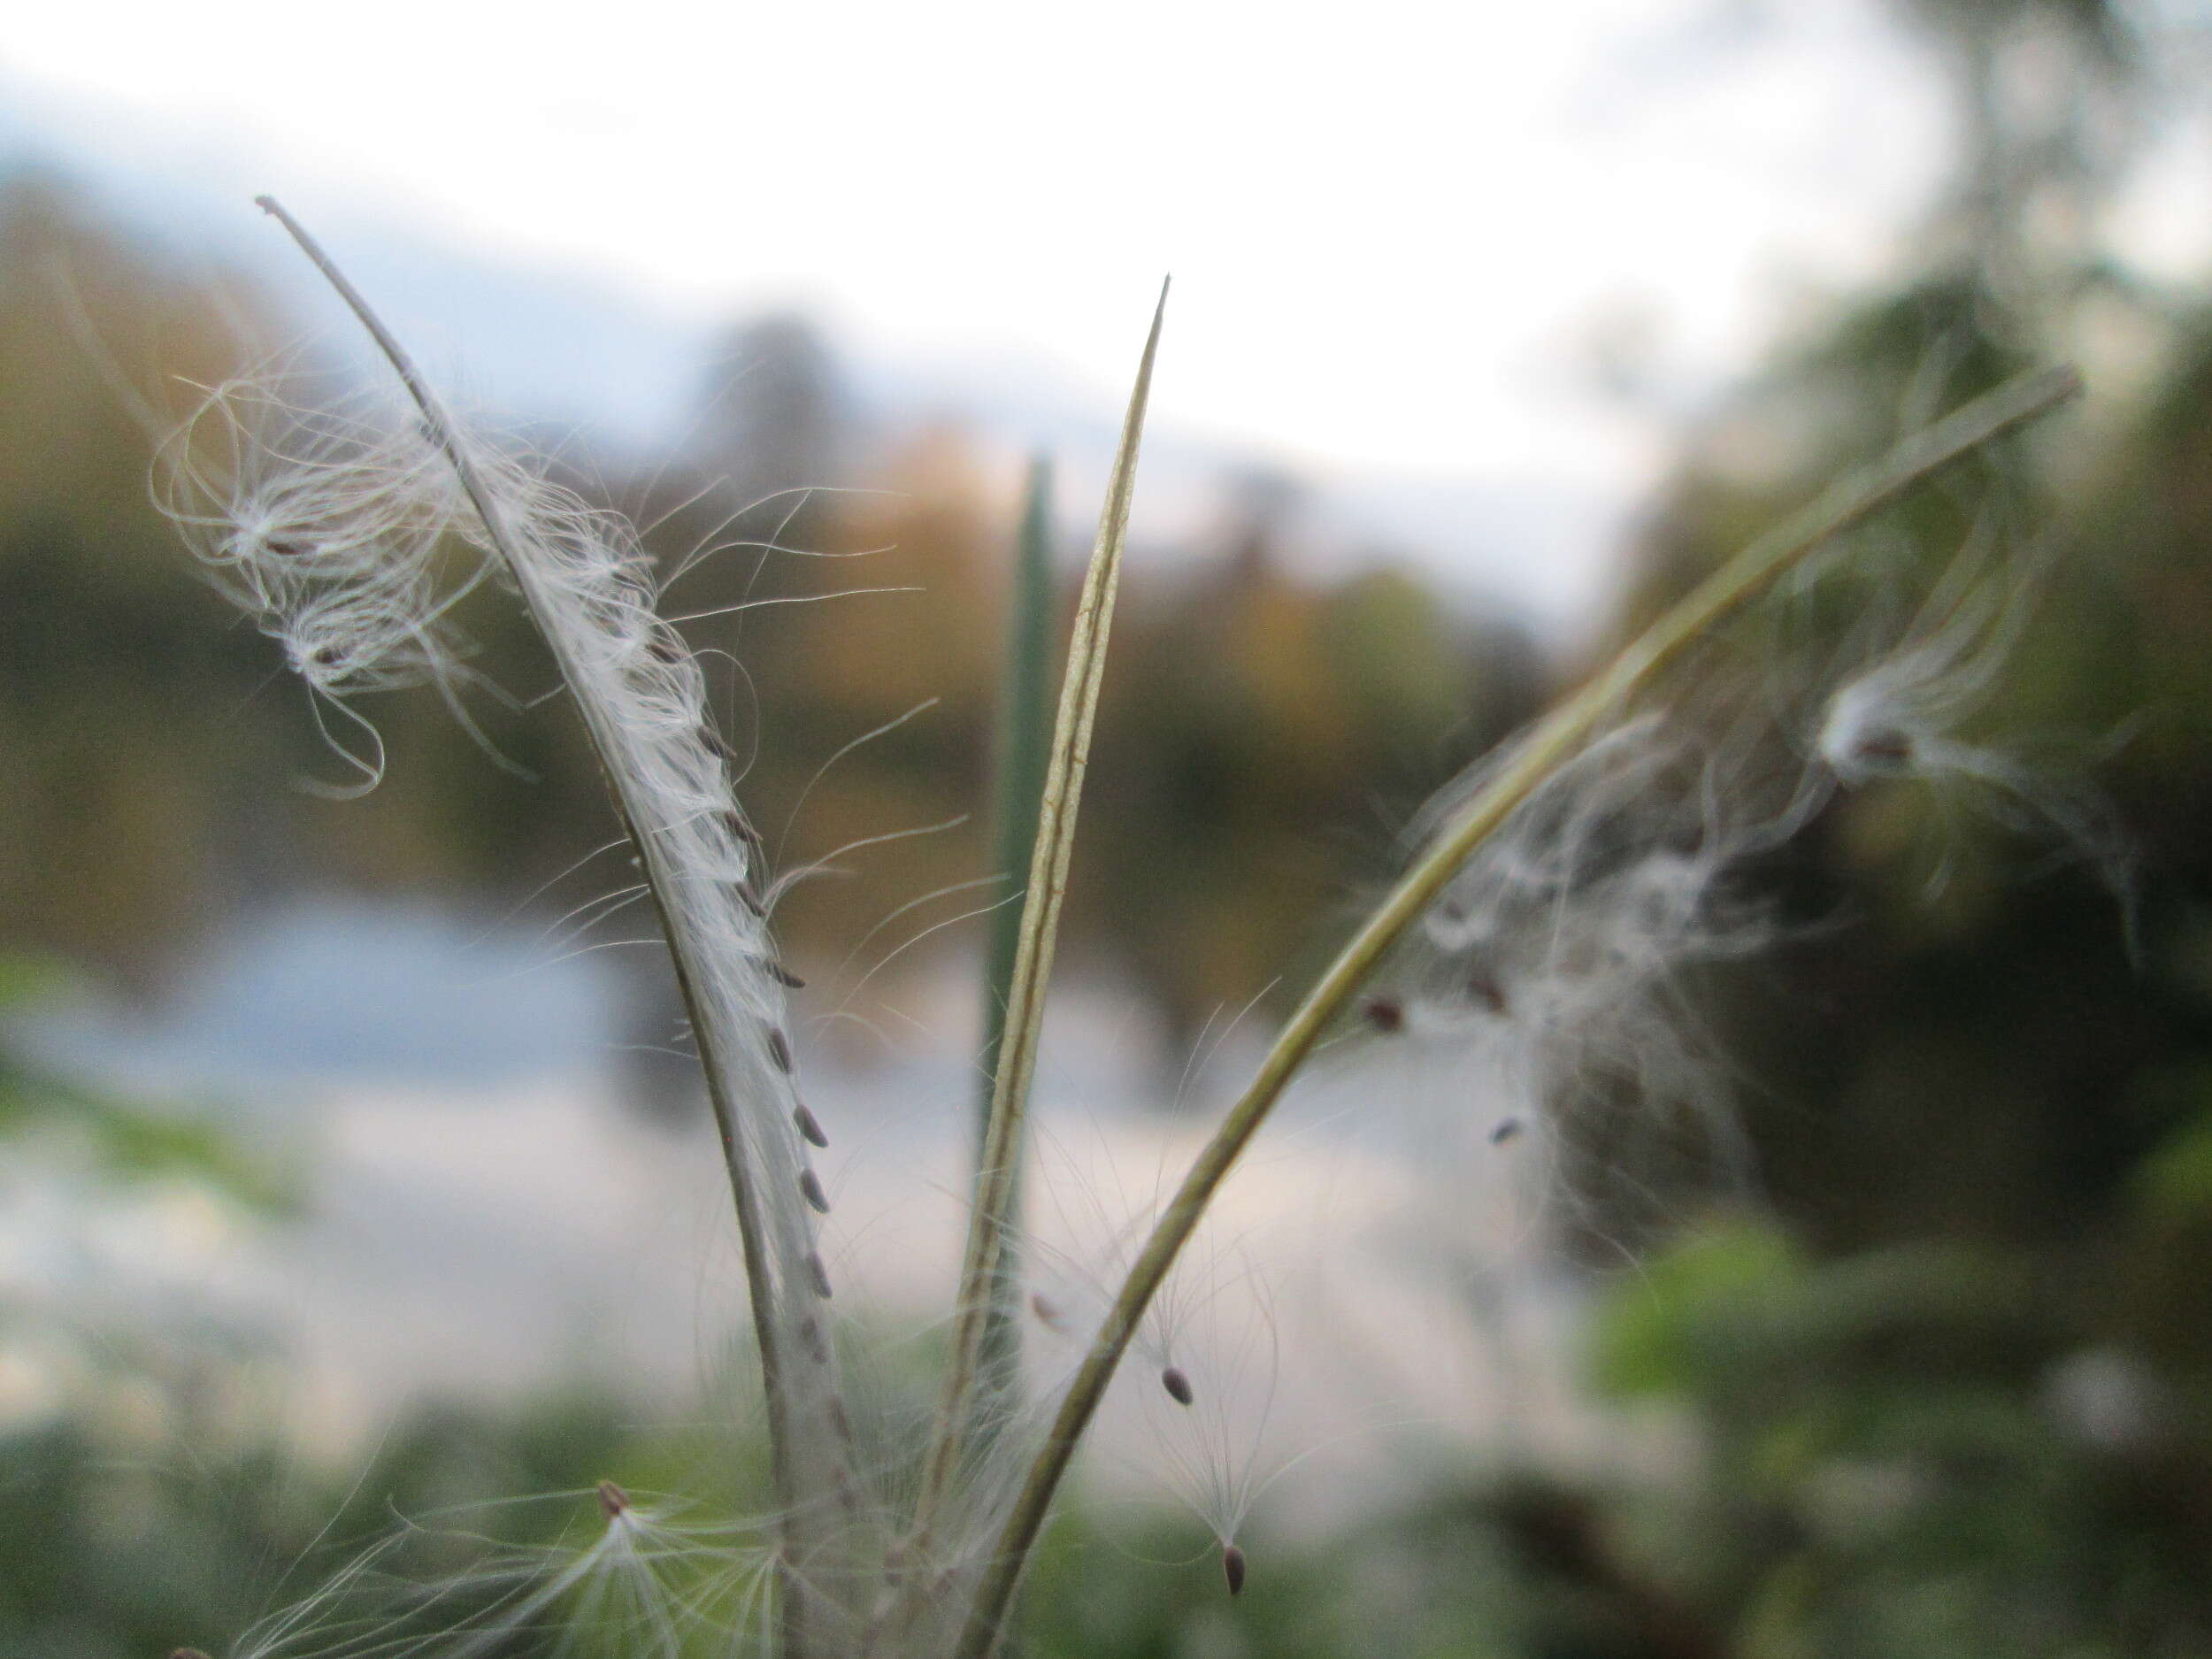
749, 899
1506, 1129
1882, 751
817, 1275
810, 1189
1232, 1568
810, 1128
614, 1503
816, 1346
779, 1051
742, 827
1385, 1014
782, 975
1048, 1311
1178, 1386
1483, 986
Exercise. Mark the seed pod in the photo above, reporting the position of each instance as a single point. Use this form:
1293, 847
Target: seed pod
614, 1503
1178, 1386
1232, 1568
810, 1128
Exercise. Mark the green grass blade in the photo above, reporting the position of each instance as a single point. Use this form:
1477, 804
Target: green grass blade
1022, 764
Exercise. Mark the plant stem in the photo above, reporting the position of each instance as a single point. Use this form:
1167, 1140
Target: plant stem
1555, 739
1024, 761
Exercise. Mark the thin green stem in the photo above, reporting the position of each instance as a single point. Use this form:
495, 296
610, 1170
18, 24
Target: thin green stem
1555, 741
1024, 764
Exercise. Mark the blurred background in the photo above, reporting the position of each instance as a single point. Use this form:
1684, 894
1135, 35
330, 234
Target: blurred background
346, 1165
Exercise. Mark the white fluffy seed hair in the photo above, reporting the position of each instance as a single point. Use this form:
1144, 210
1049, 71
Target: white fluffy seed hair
1554, 961
335, 530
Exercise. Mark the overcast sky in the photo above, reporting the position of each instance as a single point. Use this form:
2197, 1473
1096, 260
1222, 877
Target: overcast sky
1396, 229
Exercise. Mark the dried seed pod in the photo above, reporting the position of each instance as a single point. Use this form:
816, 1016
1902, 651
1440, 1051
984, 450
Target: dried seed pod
614, 1503
1178, 1386
810, 1189
1232, 1568
810, 1127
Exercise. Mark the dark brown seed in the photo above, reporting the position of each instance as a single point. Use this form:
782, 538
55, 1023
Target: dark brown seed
1483, 986
1890, 748
749, 899
809, 1128
1232, 1568
810, 1189
289, 546
779, 1051
613, 1502
782, 975
742, 827
1506, 1129
1177, 1385
817, 1275
1385, 1014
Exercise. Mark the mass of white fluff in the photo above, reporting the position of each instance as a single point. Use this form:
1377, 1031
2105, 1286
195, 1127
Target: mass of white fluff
1915, 713
1552, 968
348, 537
